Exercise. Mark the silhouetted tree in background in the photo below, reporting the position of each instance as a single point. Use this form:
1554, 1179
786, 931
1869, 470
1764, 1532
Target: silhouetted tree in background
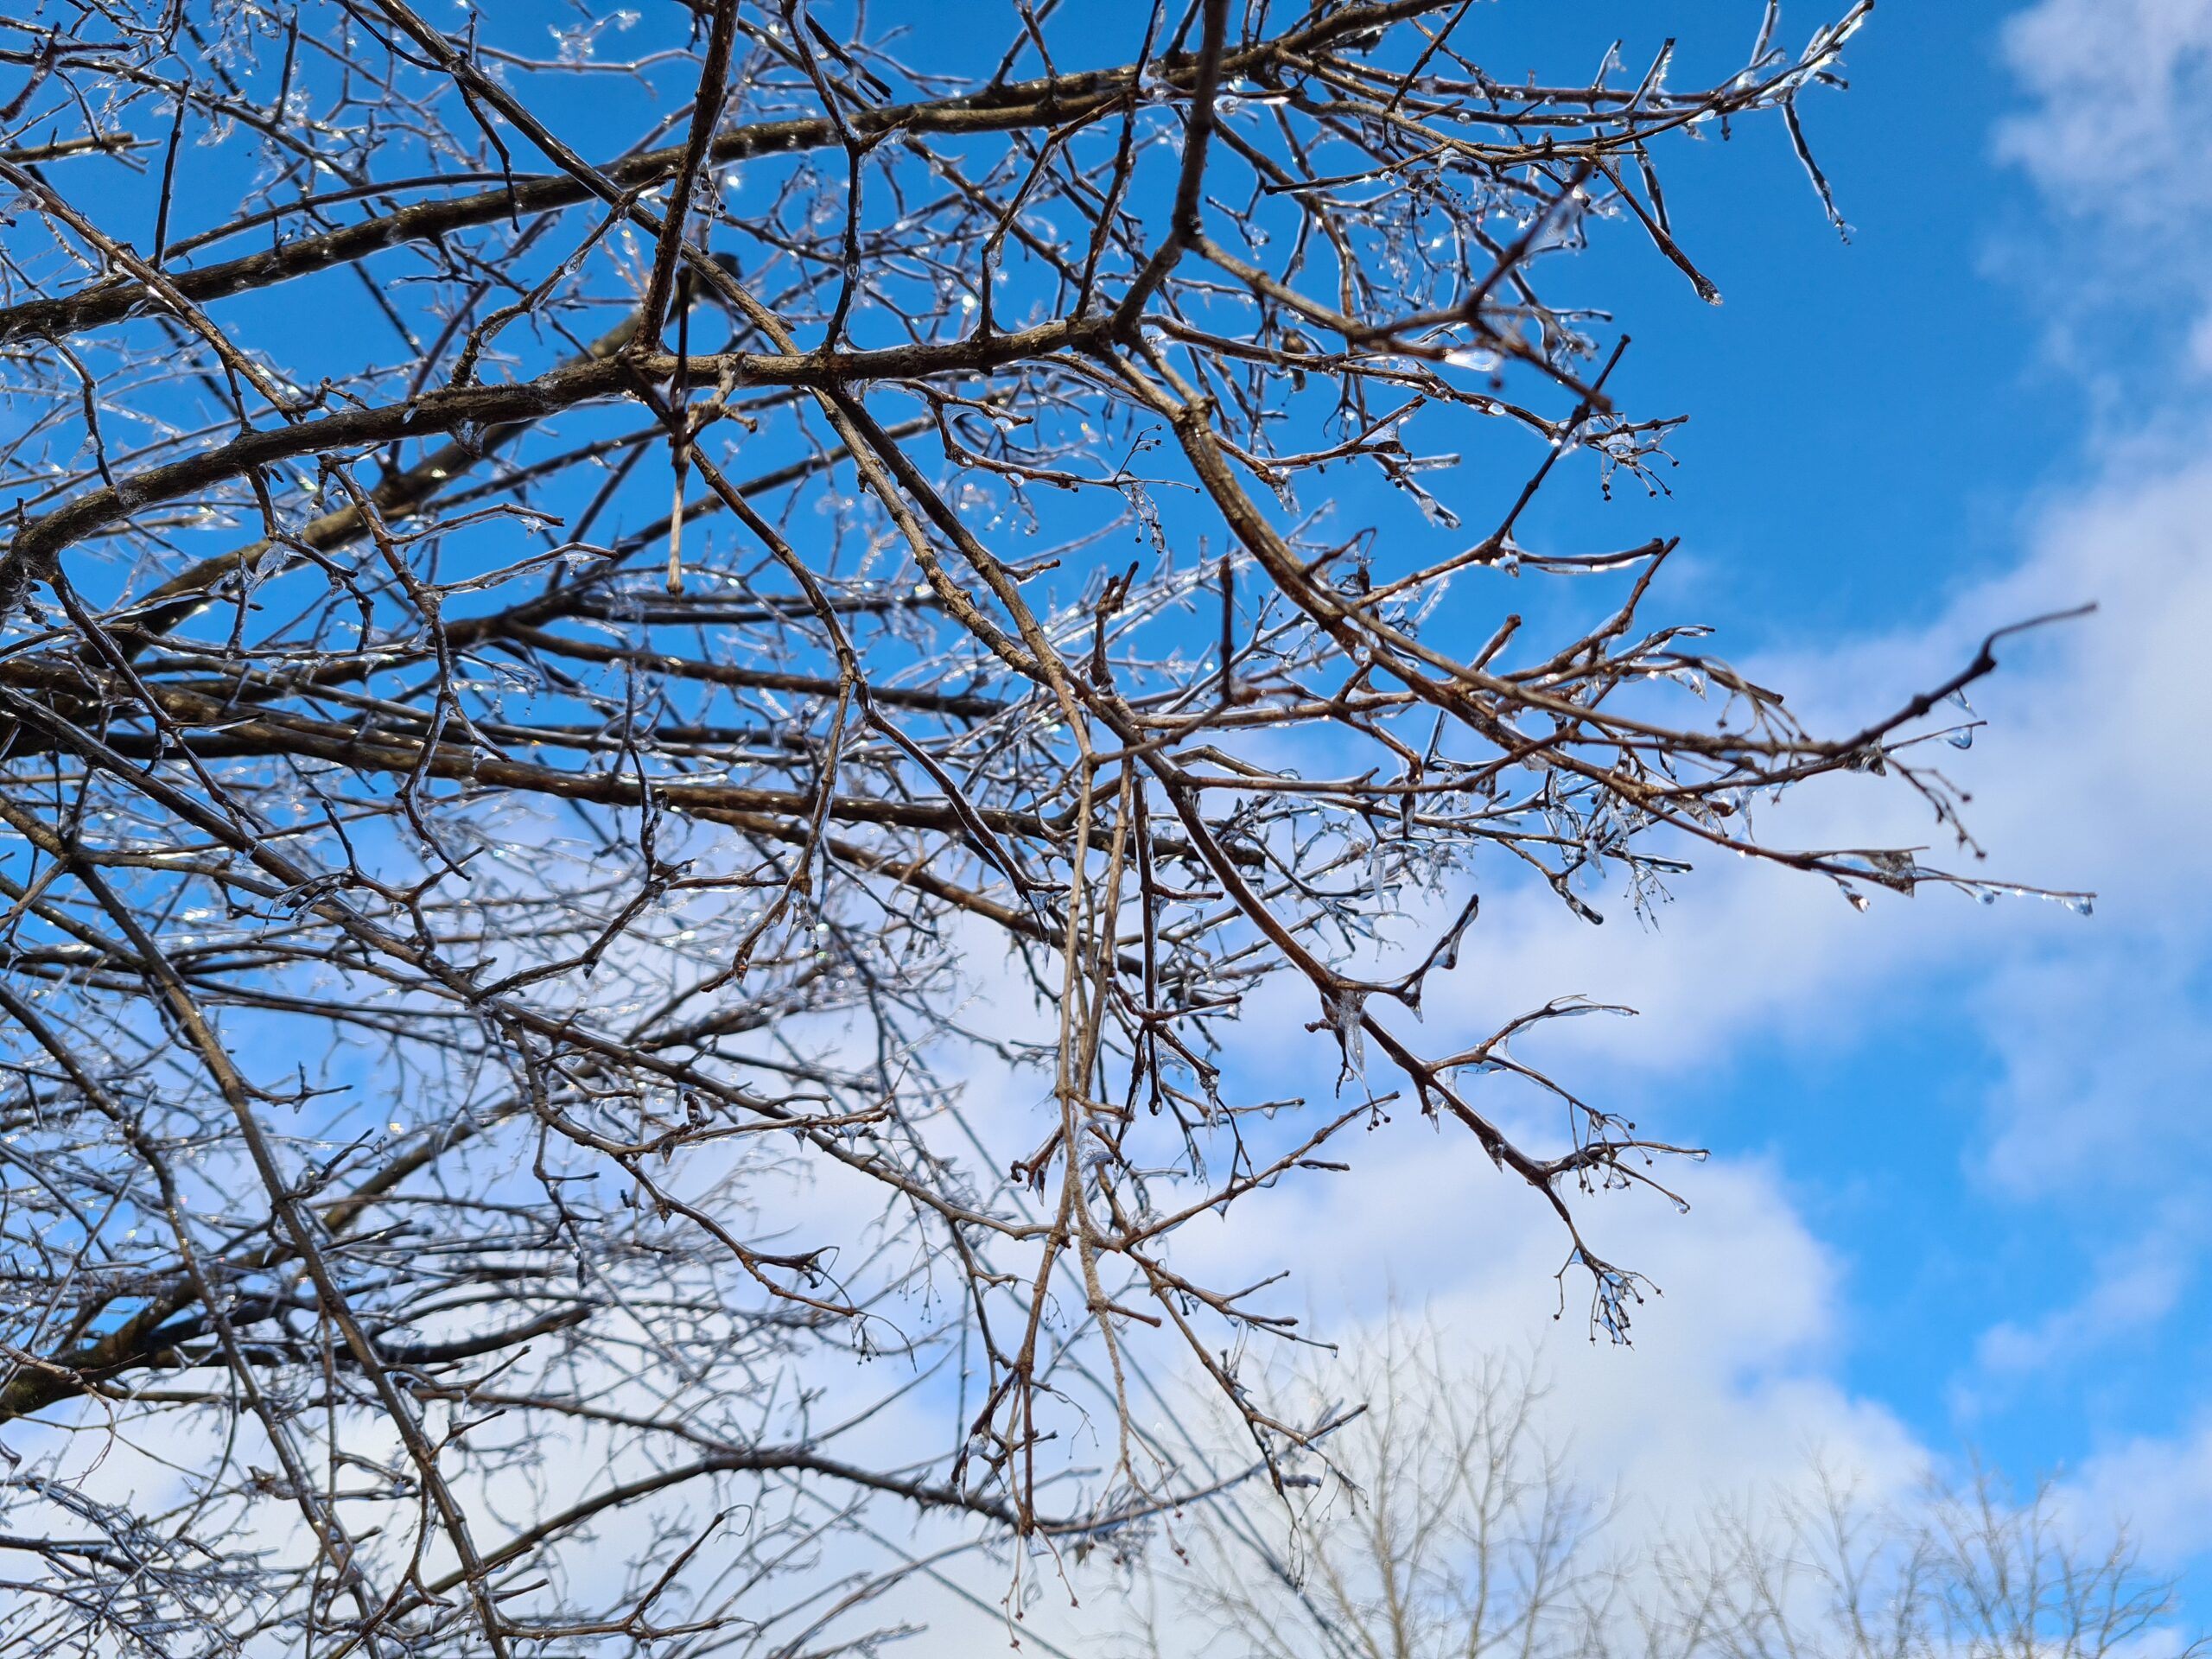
1441, 1522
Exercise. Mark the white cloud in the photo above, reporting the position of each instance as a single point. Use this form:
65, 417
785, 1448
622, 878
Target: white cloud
2114, 128
2164, 1484
2135, 1285
2124, 104
1729, 1381
2089, 774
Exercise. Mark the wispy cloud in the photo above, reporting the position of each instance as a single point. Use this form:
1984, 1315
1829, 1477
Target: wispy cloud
2121, 112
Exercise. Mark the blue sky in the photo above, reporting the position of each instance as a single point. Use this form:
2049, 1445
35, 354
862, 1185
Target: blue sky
1950, 1216
1876, 430
1951, 1206
1943, 1215
1974, 1130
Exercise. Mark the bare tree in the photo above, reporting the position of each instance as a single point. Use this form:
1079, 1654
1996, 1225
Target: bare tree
562, 691
1442, 1522
1971, 1569
1428, 1518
